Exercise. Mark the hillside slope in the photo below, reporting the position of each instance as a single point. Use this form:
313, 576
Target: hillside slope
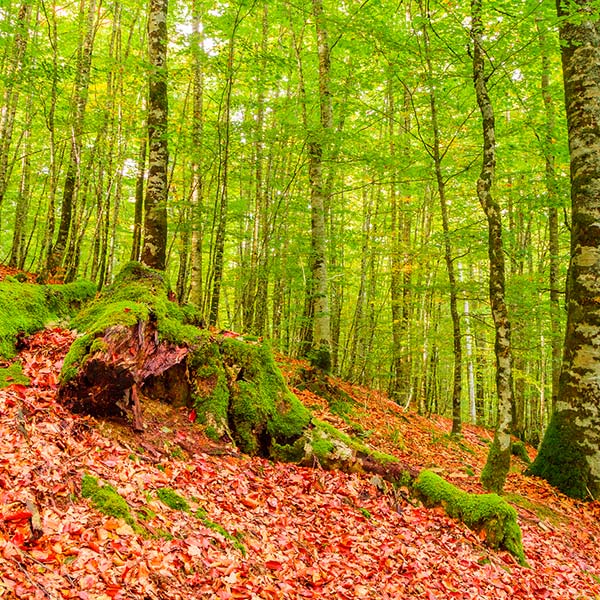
201, 521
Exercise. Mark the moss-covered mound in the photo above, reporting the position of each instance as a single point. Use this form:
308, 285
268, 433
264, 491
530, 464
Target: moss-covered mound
26, 308
240, 392
135, 342
487, 513
138, 295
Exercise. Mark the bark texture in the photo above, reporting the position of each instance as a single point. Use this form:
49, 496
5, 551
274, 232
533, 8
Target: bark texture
154, 250
569, 456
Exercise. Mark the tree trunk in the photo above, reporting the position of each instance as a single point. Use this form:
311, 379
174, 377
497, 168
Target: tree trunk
569, 456
138, 218
553, 204
197, 275
498, 461
154, 250
320, 354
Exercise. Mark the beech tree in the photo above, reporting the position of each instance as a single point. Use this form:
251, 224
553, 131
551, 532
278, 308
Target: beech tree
569, 456
498, 462
154, 250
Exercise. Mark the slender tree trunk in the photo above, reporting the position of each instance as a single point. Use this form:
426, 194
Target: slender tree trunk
138, 218
498, 461
197, 237
553, 204
223, 189
569, 456
441, 187
17, 253
318, 141
45, 258
400, 387
154, 250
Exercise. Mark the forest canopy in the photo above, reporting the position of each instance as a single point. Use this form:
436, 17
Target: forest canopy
284, 118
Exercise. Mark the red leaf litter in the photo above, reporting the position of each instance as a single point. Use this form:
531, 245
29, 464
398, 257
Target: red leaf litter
307, 533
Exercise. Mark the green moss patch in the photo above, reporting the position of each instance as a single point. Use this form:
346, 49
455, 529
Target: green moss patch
137, 294
27, 308
543, 511
561, 459
239, 391
487, 513
172, 499
519, 450
108, 501
13, 374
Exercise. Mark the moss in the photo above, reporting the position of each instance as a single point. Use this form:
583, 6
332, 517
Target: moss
541, 510
355, 445
13, 374
137, 294
519, 450
561, 460
28, 308
172, 499
496, 468
108, 501
238, 385
210, 393
488, 513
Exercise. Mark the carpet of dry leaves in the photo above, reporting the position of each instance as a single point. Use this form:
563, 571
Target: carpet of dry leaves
308, 533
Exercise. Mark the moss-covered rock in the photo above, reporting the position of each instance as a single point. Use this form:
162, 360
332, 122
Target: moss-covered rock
487, 513
26, 308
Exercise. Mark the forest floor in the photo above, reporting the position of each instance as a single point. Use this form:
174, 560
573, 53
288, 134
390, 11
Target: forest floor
229, 526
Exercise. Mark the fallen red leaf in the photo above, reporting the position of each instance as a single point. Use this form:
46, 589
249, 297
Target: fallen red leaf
20, 515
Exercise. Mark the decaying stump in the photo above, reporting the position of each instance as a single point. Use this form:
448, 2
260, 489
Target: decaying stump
136, 343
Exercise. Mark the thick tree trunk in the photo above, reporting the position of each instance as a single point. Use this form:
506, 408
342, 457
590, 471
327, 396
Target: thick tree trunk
498, 462
569, 456
154, 250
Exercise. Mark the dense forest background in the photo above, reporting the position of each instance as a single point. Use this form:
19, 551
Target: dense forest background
379, 95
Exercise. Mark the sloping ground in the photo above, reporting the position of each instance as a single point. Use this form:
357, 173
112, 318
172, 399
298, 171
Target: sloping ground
248, 528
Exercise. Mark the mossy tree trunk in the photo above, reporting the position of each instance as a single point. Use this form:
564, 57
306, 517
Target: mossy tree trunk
569, 456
